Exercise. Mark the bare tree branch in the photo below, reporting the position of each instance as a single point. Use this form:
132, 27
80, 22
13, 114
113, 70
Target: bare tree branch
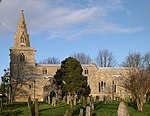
50, 60
133, 60
82, 58
105, 58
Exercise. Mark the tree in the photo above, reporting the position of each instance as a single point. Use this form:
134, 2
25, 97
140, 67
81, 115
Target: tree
137, 83
50, 60
5, 85
105, 58
146, 59
133, 60
82, 58
70, 77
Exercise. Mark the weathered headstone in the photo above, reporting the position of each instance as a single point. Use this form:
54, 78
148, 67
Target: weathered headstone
81, 112
79, 101
64, 99
88, 111
54, 101
71, 103
49, 101
88, 100
123, 109
83, 102
75, 101
68, 99
29, 102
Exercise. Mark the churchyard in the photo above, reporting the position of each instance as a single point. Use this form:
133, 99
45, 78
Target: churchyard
64, 109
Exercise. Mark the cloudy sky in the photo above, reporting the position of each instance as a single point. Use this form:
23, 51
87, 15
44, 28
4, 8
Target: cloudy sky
60, 28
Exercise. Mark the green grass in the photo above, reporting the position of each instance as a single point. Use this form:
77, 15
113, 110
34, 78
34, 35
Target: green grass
110, 109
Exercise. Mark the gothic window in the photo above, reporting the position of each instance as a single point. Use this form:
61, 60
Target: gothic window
102, 86
44, 71
99, 86
86, 71
22, 57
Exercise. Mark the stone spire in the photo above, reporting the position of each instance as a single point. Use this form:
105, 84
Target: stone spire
22, 20
21, 38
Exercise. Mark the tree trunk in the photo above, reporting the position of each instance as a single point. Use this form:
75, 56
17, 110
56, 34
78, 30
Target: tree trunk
139, 102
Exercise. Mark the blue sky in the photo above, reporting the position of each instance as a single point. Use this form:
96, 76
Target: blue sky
60, 28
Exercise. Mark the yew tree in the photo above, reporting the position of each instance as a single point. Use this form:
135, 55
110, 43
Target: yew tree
70, 77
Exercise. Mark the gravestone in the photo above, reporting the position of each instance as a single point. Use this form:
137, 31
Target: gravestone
83, 102
123, 109
106, 99
88, 111
64, 99
54, 101
88, 100
29, 102
49, 101
81, 112
75, 101
68, 99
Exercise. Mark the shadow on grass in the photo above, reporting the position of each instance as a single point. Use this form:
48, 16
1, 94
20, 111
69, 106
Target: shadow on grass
15, 105
133, 105
11, 113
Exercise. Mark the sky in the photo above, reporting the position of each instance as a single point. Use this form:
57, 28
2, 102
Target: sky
60, 28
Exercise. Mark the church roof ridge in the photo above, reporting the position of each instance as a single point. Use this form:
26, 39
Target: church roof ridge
105, 68
49, 64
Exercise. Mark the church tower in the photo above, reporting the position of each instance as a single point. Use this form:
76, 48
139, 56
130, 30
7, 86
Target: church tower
21, 54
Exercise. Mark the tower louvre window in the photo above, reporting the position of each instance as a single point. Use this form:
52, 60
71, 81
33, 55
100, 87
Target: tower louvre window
21, 40
22, 57
30, 86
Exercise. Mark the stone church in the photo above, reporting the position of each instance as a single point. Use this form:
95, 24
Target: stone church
29, 79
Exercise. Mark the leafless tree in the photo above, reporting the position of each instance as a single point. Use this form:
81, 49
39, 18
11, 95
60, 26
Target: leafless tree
146, 59
50, 60
82, 58
133, 60
137, 83
105, 58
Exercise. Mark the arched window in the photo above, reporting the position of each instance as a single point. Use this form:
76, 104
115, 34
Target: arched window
86, 71
102, 86
44, 71
99, 86
22, 57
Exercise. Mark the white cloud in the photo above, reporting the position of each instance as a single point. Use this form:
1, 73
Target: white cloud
62, 18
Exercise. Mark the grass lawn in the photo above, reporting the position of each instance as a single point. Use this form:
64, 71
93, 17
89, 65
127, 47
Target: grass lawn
110, 109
